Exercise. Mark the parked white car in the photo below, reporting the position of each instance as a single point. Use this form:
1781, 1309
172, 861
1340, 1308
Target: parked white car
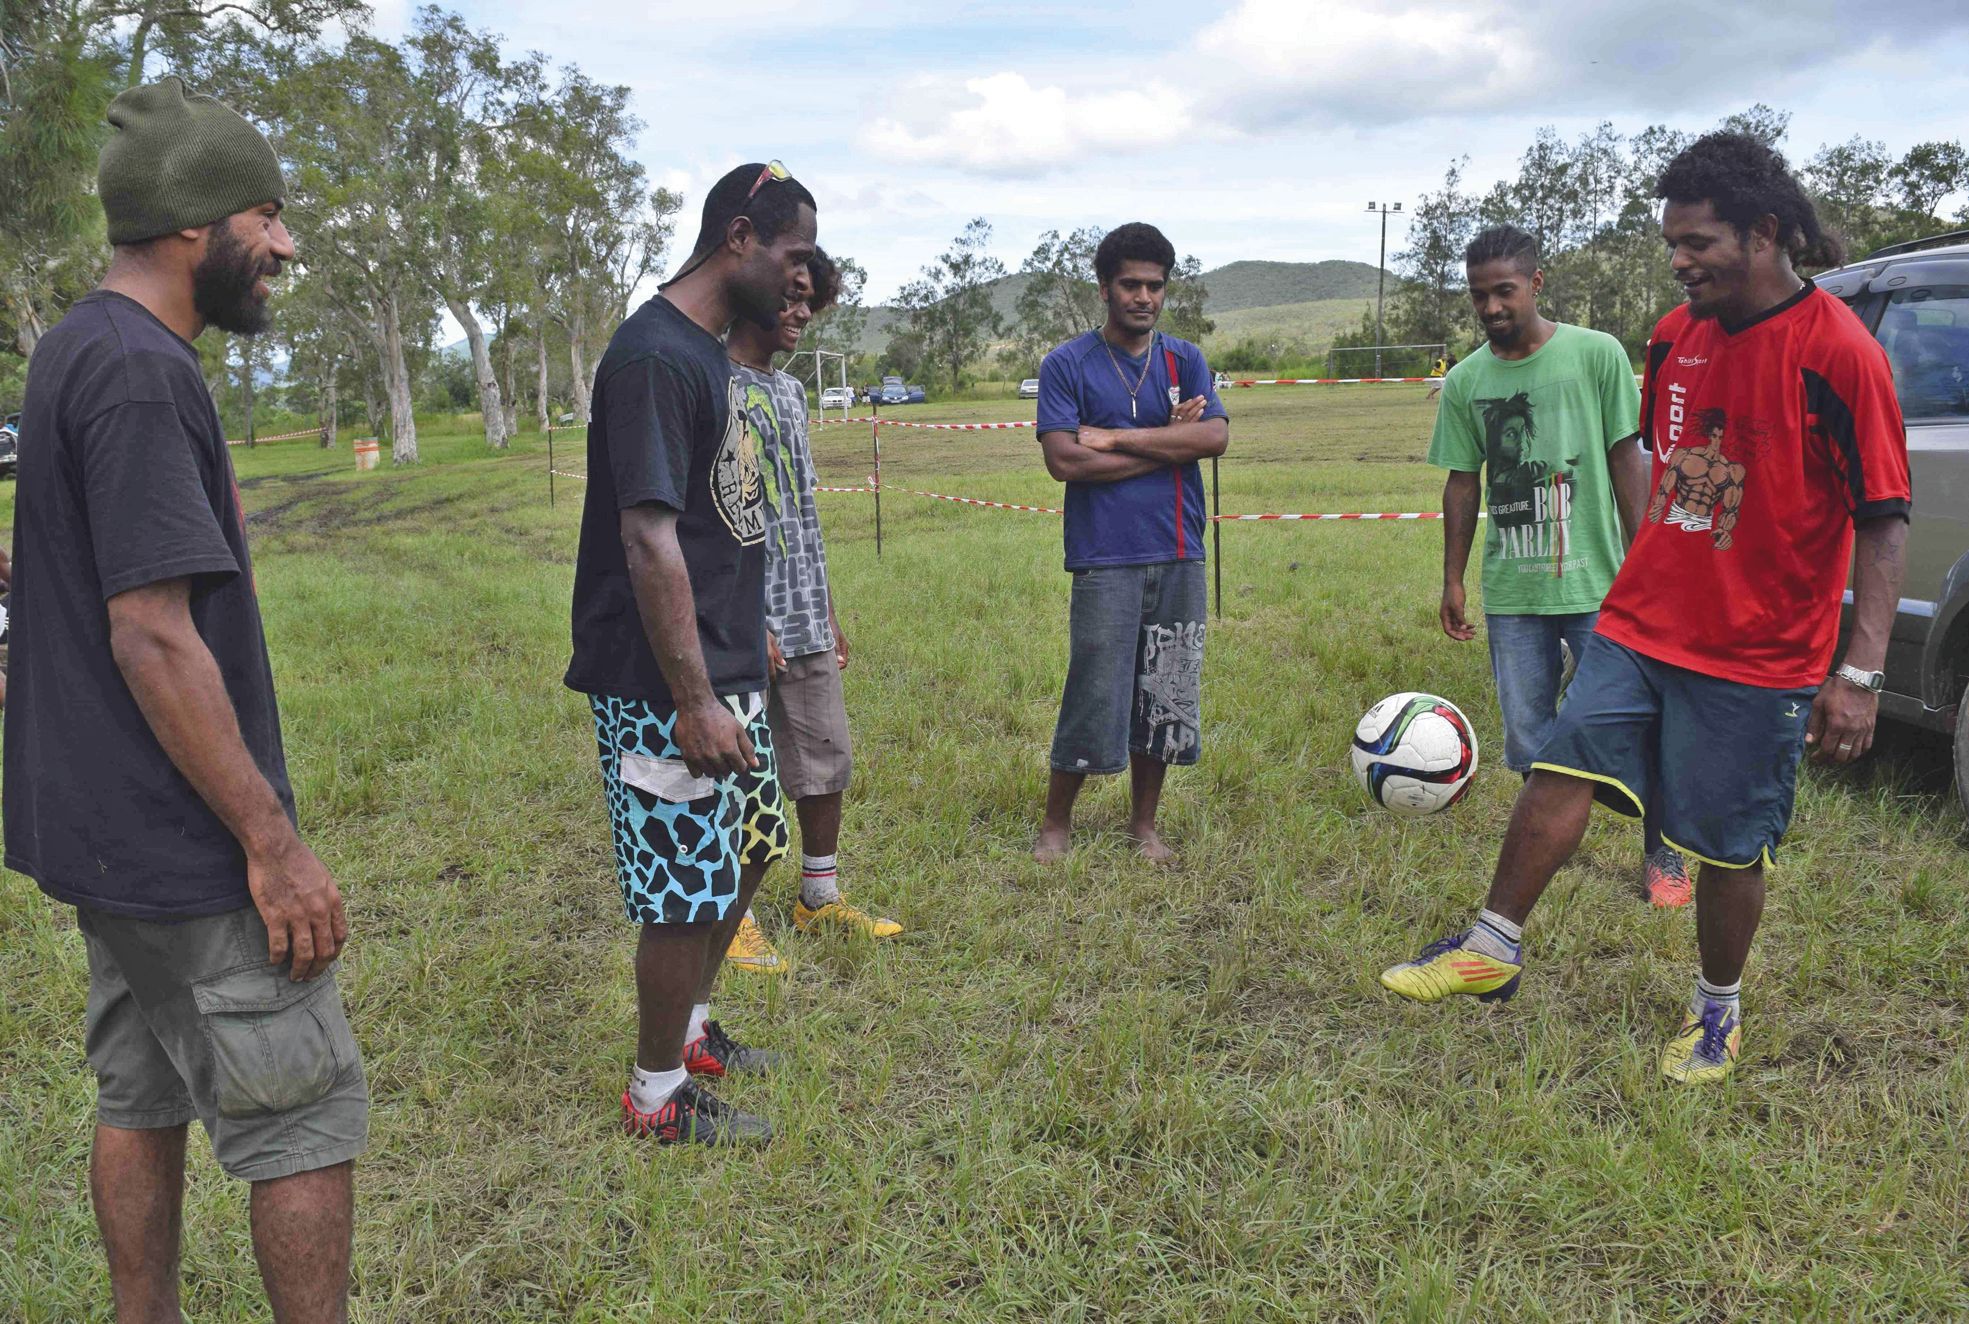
837, 397
1029, 389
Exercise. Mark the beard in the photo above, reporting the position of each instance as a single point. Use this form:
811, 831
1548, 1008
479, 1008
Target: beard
223, 284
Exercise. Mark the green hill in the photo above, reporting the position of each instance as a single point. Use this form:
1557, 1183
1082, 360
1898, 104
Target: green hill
1240, 285
1311, 323
1302, 301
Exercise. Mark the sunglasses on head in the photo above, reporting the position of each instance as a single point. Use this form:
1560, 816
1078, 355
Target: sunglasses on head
773, 170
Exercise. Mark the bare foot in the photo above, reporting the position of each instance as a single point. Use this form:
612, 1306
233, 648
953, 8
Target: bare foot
1151, 847
1051, 847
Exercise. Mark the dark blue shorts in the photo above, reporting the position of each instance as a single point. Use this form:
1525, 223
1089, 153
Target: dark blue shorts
1720, 758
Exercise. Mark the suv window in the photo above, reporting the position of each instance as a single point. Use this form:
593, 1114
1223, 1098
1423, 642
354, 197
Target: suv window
1926, 334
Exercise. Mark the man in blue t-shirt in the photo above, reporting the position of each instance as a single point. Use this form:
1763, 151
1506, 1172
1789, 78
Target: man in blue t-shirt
1125, 413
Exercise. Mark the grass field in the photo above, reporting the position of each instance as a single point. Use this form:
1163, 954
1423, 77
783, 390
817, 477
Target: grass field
1091, 1093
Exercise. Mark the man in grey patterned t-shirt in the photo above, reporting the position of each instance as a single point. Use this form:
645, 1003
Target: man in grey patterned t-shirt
806, 648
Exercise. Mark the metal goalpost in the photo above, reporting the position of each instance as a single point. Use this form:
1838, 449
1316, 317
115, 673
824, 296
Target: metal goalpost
1431, 352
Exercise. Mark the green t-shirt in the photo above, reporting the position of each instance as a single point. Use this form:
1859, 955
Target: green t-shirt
1540, 429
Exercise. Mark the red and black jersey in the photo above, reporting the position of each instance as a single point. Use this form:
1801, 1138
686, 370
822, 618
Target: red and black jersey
1770, 439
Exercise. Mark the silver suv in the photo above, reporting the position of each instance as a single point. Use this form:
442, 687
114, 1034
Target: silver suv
1915, 298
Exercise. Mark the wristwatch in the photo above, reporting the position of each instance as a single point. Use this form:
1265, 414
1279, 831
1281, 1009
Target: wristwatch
1870, 681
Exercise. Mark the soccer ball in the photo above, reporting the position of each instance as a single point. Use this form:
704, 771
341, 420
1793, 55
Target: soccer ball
1414, 754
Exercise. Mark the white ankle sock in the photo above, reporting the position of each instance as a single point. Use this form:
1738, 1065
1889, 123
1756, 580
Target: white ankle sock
820, 882
650, 1090
1730, 995
1496, 936
700, 1014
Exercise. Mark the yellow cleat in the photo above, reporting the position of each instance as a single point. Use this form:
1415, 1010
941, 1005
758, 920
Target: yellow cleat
1446, 967
1704, 1052
843, 915
752, 950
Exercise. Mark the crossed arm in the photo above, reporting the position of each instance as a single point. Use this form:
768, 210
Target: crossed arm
1107, 455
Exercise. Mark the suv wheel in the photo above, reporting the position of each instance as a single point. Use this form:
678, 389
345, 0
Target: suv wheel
1961, 744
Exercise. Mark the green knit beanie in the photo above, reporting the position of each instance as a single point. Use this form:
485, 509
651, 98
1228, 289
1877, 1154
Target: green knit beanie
176, 161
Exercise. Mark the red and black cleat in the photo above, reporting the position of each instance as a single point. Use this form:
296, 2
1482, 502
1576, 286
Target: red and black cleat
694, 1116
715, 1053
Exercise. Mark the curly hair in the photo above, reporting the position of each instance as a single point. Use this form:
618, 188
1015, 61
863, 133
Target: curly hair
1745, 180
1133, 242
826, 276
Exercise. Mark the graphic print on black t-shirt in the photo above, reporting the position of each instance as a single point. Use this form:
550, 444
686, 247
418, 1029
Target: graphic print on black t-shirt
735, 478
1530, 498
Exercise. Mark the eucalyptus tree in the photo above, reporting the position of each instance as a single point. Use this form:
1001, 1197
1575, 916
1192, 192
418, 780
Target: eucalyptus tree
950, 306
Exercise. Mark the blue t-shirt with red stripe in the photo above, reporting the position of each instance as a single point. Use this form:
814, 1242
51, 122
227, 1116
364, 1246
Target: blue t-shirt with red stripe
1150, 518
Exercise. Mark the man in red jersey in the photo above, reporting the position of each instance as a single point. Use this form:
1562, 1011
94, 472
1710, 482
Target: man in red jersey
1777, 444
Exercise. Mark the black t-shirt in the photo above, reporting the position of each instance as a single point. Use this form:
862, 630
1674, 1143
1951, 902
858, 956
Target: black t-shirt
124, 480
665, 428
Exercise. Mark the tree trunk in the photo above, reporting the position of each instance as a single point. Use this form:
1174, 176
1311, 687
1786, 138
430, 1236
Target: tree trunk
491, 407
330, 424
396, 381
540, 401
577, 358
246, 388
139, 50
509, 396
28, 324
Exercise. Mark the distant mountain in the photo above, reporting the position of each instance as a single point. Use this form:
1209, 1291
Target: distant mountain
1265, 284
1233, 288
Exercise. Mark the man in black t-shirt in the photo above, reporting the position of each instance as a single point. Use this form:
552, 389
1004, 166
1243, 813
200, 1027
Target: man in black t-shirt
669, 641
145, 781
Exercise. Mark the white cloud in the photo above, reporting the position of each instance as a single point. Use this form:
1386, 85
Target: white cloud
1267, 65
1004, 125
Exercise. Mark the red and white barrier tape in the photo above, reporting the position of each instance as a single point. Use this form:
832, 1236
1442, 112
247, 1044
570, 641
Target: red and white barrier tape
285, 436
1356, 515
934, 427
1349, 515
1331, 381
974, 501
1353, 515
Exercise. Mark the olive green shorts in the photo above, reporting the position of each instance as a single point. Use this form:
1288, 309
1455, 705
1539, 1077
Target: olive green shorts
188, 1020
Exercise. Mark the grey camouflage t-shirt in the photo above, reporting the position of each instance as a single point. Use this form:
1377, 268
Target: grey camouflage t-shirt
796, 560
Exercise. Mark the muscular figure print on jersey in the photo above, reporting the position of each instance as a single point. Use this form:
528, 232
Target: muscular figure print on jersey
1701, 488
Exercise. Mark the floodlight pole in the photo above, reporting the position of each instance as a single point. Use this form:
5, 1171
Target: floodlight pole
1381, 278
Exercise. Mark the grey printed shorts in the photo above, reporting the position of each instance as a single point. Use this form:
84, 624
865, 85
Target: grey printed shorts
187, 1020
1135, 677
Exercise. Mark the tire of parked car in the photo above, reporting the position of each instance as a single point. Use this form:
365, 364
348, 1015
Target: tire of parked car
1961, 744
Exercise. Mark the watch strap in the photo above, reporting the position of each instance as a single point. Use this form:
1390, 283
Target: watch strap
1872, 681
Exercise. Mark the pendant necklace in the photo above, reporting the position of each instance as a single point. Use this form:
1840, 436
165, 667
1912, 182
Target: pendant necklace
1148, 358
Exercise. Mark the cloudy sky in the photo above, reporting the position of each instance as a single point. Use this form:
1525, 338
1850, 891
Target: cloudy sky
1245, 129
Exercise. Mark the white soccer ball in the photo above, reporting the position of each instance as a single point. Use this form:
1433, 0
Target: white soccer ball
1414, 753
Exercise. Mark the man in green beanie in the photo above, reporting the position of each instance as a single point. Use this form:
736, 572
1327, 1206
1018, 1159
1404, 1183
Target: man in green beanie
145, 782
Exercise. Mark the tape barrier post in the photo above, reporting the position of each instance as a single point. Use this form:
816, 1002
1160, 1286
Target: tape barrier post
875, 438
550, 466
1217, 534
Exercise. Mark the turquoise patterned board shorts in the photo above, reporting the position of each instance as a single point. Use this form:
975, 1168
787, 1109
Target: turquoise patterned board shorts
681, 839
